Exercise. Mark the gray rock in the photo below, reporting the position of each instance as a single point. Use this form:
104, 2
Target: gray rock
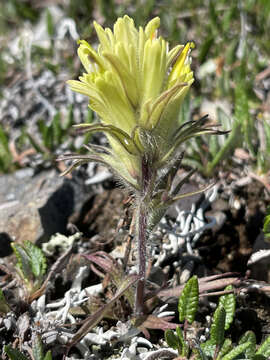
34, 207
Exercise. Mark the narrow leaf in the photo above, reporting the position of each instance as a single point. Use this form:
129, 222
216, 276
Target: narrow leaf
48, 138
228, 302
209, 348
69, 120
188, 301
119, 135
172, 340
218, 326
37, 348
14, 354
48, 355
49, 21
266, 225
226, 347
184, 345
4, 307
236, 351
250, 337
23, 261
264, 349
39, 148
57, 129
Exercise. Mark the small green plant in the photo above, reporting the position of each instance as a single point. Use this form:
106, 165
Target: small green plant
36, 351
218, 346
31, 266
6, 160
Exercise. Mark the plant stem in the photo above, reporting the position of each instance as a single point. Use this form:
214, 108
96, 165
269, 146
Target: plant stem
142, 234
142, 239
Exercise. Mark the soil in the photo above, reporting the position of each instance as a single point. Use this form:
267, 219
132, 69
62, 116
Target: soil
227, 250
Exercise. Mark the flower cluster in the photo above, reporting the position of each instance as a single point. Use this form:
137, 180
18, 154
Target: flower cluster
136, 85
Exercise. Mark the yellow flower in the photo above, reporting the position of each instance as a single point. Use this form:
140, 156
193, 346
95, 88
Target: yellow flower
136, 85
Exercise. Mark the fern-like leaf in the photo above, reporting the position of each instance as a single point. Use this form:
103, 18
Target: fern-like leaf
188, 301
249, 336
264, 349
183, 345
237, 351
228, 302
226, 347
218, 326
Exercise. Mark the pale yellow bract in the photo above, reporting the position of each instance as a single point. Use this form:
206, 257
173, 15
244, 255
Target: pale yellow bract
136, 85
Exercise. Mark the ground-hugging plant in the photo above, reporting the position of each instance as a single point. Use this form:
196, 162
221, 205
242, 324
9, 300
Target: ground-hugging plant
137, 85
218, 346
30, 268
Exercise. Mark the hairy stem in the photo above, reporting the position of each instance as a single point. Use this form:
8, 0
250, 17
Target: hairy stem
142, 240
142, 234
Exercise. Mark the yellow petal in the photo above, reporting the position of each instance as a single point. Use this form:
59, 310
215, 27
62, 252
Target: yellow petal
180, 66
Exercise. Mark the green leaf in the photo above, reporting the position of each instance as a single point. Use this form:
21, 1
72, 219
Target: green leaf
49, 21
4, 307
3, 140
228, 302
249, 336
218, 326
36, 258
57, 129
42, 127
35, 144
172, 340
48, 355
264, 349
37, 348
188, 301
23, 262
226, 347
119, 135
242, 115
5, 155
14, 354
236, 351
89, 117
184, 345
230, 144
69, 120
266, 225
209, 347
48, 138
